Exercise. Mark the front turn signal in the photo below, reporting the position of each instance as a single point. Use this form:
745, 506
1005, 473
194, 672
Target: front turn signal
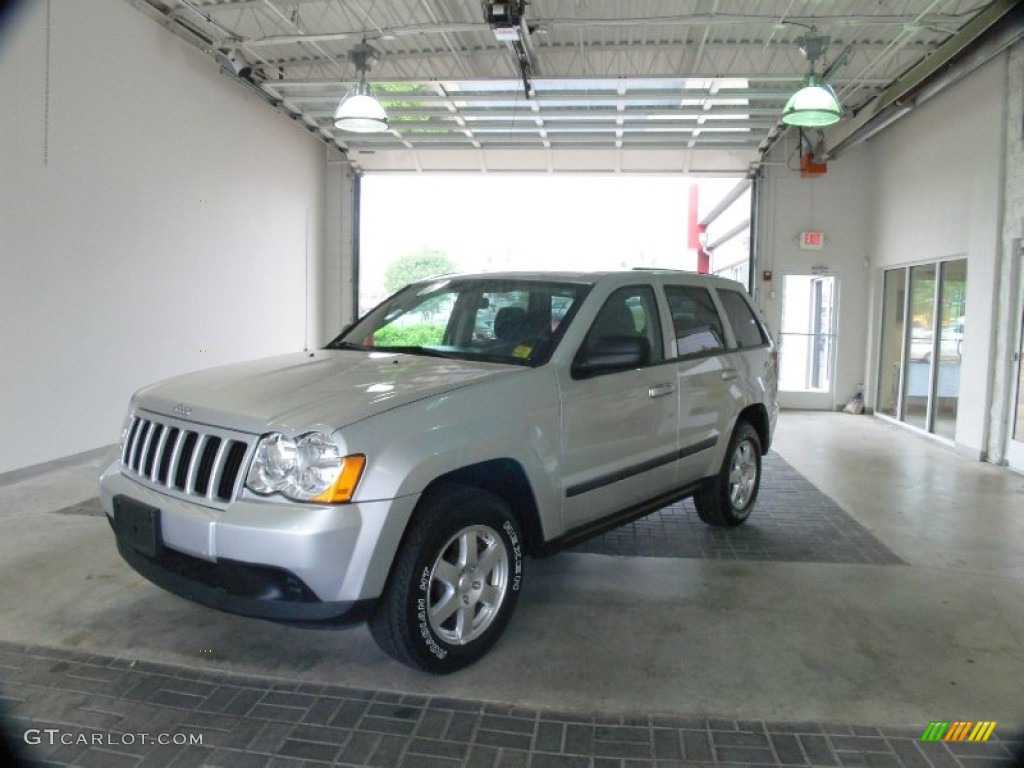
345, 486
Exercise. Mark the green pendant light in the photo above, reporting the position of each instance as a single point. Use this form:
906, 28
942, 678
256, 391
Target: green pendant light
815, 104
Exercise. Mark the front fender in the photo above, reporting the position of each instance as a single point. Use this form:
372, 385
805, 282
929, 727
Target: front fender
514, 417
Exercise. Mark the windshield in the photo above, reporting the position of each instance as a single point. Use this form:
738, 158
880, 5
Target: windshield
503, 320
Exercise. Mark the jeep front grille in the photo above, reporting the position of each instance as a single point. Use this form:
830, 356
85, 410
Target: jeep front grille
195, 461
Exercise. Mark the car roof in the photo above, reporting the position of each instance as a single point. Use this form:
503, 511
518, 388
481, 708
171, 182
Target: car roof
588, 278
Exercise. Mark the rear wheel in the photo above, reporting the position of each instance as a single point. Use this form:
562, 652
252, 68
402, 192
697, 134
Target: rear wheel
454, 583
727, 499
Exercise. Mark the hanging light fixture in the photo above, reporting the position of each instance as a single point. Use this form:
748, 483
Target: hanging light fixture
359, 111
816, 104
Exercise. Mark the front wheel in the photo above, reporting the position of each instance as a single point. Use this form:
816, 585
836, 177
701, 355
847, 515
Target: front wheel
726, 499
454, 582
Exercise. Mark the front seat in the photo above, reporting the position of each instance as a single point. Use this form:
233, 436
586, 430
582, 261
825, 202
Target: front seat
614, 319
510, 324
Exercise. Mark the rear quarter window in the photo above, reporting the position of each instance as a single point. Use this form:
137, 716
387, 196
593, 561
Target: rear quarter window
695, 321
745, 325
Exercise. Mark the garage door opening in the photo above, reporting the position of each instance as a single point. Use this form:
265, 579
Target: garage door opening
420, 225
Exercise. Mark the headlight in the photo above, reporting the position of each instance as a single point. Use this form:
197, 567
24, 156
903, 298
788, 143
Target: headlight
308, 468
275, 462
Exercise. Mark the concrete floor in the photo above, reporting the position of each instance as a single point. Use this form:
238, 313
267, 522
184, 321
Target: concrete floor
939, 638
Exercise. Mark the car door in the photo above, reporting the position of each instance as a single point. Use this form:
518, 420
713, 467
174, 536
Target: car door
619, 428
704, 377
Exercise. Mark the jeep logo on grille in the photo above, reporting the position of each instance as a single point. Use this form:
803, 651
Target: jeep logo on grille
182, 410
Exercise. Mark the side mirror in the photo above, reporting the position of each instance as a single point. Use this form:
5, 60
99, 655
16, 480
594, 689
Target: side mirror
610, 354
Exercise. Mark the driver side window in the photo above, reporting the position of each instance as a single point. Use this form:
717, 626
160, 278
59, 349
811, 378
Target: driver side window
630, 312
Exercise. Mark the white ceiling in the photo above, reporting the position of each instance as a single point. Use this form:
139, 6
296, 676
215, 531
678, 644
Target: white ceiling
689, 77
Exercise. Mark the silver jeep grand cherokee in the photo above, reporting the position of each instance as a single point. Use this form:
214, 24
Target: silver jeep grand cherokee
401, 474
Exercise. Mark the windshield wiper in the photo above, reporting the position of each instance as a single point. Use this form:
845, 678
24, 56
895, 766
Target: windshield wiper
406, 350
414, 350
347, 345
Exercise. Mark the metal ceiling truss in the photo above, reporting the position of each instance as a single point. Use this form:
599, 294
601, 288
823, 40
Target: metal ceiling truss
564, 74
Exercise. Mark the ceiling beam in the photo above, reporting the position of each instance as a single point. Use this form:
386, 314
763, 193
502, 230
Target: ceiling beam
555, 117
843, 132
545, 92
385, 141
659, 21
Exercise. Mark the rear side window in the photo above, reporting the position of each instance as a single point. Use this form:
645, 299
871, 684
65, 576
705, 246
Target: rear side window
698, 328
744, 323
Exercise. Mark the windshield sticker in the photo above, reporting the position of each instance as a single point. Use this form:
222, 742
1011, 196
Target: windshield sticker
522, 351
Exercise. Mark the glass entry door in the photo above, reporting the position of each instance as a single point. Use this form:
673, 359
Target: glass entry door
807, 341
890, 367
923, 313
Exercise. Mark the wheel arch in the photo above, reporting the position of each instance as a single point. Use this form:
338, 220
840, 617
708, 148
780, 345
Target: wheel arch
506, 479
757, 416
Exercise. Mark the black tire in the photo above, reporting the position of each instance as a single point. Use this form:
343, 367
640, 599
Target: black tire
447, 601
727, 499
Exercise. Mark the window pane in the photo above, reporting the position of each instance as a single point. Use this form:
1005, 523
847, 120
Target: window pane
917, 382
952, 314
497, 320
629, 312
892, 341
698, 328
490, 305
744, 323
1018, 422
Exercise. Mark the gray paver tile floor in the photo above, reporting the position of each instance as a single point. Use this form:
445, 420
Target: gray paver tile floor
792, 522
842, 653
147, 714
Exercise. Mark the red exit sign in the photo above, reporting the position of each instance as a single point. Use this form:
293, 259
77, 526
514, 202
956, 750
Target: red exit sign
812, 241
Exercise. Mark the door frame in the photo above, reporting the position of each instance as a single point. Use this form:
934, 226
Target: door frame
1014, 452
898, 417
817, 401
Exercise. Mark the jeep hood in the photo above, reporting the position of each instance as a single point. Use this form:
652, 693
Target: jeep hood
323, 390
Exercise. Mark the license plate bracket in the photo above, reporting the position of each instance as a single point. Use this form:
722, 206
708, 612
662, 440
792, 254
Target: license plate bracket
138, 525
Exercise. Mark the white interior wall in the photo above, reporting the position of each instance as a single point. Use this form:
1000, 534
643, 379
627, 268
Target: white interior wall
930, 187
154, 219
836, 203
1010, 279
937, 193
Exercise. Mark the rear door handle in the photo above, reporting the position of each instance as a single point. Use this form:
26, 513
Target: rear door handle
729, 374
660, 390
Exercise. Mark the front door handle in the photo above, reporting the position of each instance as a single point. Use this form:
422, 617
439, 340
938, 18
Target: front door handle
660, 390
729, 374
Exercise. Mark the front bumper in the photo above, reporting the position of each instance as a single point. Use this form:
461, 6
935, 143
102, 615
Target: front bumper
269, 559
256, 591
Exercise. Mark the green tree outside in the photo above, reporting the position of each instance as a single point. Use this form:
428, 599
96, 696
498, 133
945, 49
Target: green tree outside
419, 335
414, 266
